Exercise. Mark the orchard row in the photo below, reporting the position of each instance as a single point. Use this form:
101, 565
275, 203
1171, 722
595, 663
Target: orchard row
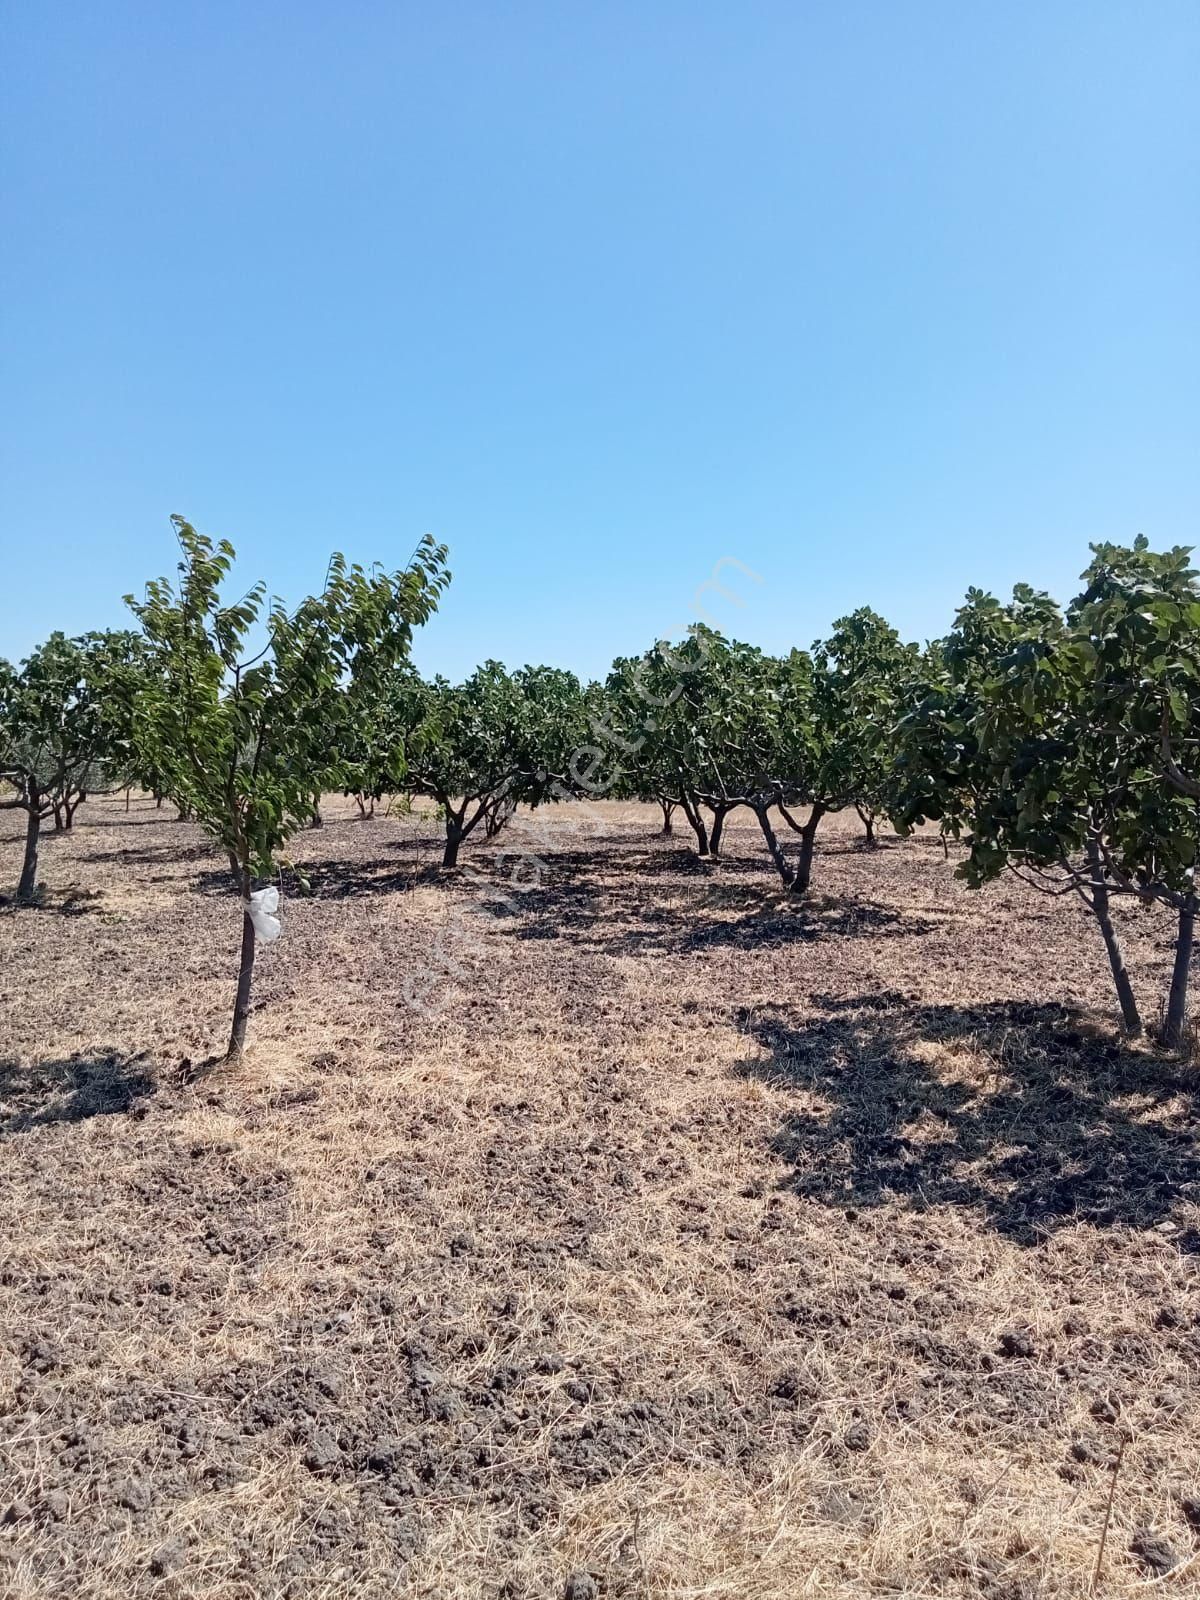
1063, 745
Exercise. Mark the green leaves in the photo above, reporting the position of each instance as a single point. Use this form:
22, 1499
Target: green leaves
241, 740
514, 733
715, 721
1036, 733
862, 673
55, 731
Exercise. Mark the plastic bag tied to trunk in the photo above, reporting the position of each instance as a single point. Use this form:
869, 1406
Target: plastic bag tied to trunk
261, 908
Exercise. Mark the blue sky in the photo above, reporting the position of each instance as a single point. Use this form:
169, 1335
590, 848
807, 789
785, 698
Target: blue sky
877, 300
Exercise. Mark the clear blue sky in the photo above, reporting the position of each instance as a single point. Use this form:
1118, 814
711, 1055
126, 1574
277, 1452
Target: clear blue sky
878, 299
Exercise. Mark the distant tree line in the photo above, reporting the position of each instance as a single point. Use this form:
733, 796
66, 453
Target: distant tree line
1061, 745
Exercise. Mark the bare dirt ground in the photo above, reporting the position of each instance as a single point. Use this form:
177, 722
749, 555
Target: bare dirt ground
688, 1243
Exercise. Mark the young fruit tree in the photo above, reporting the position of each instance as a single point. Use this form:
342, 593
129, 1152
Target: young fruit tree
380, 717
732, 727
831, 712
751, 733
996, 750
242, 700
711, 724
789, 743
643, 740
1065, 749
937, 773
1136, 633
127, 680
694, 725
54, 735
860, 677
499, 740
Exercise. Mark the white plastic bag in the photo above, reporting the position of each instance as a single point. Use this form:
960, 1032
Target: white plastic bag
261, 908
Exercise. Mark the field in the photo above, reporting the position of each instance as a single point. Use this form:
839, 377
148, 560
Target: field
684, 1241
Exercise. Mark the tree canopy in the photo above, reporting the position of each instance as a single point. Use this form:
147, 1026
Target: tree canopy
242, 732
56, 731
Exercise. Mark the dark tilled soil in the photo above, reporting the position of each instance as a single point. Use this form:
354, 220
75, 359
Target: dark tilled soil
587, 1222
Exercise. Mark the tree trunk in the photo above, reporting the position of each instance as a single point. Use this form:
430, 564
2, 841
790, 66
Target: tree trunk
454, 834
497, 817
27, 888
128, 792
241, 1006
718, 827
782, 866
1130, 1015
60, 823
697, 821
867, 817
668, 809
1177, 995
808, 838
316, 820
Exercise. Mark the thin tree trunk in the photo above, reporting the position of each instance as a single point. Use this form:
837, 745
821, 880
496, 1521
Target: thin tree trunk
59, 819
668, 809
867, 817
497, 817
718, 827
782, 865
1099, 904
1177, 994
697, 821
808, 838
27, 888
316, 820
128, 792
241, 1005
454, 835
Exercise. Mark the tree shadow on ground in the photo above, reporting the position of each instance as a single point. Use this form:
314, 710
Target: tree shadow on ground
604, 900
571, 847
860, 846
353, 879
69, 902
157, 854
604, 904
500, 867
97, 1084
612, 922
1011, 1109
358, 879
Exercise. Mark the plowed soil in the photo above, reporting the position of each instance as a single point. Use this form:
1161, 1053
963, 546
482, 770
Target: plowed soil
587, 1222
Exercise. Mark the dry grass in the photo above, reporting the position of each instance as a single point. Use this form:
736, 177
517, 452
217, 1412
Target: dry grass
697, 1241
